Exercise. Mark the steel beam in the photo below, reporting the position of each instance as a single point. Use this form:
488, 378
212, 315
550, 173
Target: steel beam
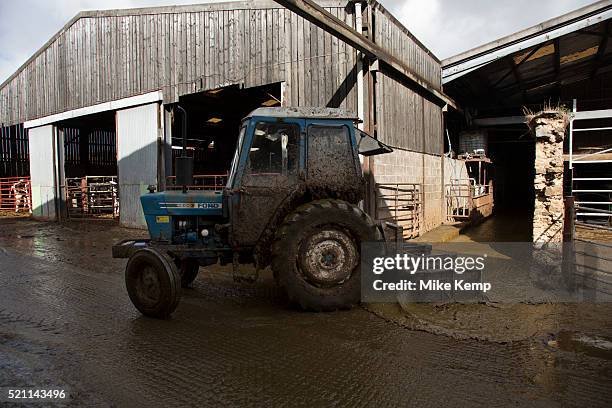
502, 120
321, 18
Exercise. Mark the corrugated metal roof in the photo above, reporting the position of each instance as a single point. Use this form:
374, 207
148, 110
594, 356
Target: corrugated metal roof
464, 63
533, 65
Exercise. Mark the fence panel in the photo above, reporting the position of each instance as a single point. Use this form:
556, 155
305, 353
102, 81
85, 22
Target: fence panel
401, 204
15, 194
92, 197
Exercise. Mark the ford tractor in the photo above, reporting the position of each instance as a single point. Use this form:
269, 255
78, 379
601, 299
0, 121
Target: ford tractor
292, 202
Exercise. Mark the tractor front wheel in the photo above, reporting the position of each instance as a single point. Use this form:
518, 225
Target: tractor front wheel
316, 254
153, 283
188, 270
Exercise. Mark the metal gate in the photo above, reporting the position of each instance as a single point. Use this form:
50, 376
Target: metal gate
593, 194
401, 204
92, 197
15, 194
587, 255
466, 200
459, 199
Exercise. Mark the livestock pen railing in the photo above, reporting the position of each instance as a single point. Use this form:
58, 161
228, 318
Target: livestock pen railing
402, 204
465, 200
213, 182
587, 252
15, 194
92, 196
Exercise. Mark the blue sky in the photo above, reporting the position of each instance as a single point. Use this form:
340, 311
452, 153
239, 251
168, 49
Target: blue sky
447, 27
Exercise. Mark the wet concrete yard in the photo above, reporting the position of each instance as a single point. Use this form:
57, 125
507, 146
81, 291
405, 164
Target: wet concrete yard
66, 321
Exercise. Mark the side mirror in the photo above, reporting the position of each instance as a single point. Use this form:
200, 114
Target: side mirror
184, 171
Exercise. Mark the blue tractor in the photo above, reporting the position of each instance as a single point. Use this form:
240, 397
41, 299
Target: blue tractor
291, 202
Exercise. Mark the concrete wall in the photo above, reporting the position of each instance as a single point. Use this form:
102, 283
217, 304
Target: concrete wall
434, 206
403, 166
43, 172
138, 131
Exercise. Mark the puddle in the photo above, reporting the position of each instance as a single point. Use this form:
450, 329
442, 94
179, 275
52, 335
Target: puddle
594, 346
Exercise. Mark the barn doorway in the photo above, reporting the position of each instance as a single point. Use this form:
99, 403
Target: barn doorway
89, 156
15, 188
213, 123
512, 150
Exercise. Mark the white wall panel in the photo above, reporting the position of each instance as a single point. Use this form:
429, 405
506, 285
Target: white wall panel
137, 152
42, 171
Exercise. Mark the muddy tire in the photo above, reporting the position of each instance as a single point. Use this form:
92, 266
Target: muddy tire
153, 283
316, 254
188, 270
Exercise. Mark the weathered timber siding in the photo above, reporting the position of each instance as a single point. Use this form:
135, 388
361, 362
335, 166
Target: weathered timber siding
405, 119
391, 35
110, 55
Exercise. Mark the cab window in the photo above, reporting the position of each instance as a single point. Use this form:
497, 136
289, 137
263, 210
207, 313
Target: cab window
273, 153
329, 152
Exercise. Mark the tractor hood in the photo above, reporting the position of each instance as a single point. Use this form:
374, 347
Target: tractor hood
203, 203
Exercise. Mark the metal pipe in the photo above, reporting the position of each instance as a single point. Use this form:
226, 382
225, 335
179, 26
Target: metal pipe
571, 135
359, 29
183, 129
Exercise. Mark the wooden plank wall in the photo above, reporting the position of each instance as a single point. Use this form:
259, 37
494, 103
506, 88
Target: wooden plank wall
391, 35
104, 56
405, 119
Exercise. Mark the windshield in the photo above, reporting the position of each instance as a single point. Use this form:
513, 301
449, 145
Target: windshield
234, 168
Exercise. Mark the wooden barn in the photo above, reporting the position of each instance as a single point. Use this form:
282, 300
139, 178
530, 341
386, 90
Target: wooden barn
98, 99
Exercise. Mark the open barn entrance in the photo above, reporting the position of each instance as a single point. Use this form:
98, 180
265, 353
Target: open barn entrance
15, 188
89, 179
500, 167
512, 150
213, 124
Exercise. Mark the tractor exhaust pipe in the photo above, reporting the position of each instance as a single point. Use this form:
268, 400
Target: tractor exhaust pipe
184, 164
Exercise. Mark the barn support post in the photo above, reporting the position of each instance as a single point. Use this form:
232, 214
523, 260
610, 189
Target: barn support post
60, 171
549, 130
360, 77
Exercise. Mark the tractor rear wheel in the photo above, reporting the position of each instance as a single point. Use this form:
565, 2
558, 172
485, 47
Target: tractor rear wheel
153, 283
316, 254
188, 270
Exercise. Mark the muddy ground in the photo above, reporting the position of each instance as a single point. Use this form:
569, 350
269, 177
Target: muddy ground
66, 321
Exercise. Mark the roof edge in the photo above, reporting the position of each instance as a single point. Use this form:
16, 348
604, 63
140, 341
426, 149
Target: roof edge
538, 29
405, 29
200, 7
